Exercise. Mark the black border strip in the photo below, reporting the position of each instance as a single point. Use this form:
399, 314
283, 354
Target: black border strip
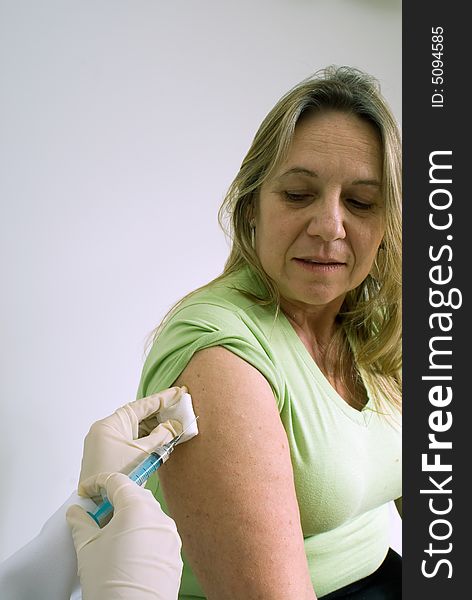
437, 260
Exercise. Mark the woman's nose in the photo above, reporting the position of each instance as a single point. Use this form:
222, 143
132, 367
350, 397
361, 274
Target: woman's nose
327, 219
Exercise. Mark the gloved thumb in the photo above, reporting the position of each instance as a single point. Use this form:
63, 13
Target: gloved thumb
161, 435
83, 527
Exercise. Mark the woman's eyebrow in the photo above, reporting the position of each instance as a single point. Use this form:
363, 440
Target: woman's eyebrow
372, 182
298, 171
310, 173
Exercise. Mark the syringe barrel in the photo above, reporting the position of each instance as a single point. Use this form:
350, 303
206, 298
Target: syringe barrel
144, 470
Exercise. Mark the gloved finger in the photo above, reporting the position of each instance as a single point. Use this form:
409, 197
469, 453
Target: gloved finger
119, 488
122, 422
126, 419
145, 407
168, 410
83, 527
161, 435
93, 486
121, 491
183, 412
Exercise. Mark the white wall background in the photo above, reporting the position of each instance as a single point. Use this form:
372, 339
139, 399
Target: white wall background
122, 125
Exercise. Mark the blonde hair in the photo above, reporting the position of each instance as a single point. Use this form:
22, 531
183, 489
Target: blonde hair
370, 318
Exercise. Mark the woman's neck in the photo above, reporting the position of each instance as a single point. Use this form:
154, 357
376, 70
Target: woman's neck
316, 324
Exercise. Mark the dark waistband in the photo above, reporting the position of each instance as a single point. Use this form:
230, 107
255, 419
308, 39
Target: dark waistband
384, 584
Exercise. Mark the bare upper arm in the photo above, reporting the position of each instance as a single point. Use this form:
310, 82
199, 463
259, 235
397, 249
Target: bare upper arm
231, 488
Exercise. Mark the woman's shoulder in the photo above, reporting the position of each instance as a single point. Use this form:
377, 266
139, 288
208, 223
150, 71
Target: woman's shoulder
236, 294
219, 314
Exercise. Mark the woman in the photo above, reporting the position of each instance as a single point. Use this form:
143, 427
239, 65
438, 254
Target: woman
293, 360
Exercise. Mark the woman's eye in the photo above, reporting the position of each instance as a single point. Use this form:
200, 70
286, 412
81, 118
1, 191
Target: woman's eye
297, 196
359, 204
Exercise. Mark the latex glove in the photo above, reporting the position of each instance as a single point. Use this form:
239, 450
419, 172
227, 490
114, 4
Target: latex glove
136, 556
119, 442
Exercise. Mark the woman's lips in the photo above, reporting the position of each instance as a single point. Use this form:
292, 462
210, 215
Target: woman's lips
322, 266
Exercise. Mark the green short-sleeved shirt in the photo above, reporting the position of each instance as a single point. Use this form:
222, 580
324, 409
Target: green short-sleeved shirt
346, 463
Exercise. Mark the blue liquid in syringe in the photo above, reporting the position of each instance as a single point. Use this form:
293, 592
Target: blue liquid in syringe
143, 471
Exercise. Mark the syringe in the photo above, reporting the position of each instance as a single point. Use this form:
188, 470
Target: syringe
140, 475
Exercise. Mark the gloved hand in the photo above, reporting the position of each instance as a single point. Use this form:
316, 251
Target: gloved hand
119, 442
136, 555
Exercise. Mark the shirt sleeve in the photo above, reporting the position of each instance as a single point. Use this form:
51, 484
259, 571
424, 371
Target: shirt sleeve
204, 325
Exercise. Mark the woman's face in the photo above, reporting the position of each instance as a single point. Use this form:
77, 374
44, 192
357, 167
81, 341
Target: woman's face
320, 218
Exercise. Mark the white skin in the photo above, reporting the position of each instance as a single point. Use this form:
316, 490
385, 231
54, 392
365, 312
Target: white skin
231, 489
